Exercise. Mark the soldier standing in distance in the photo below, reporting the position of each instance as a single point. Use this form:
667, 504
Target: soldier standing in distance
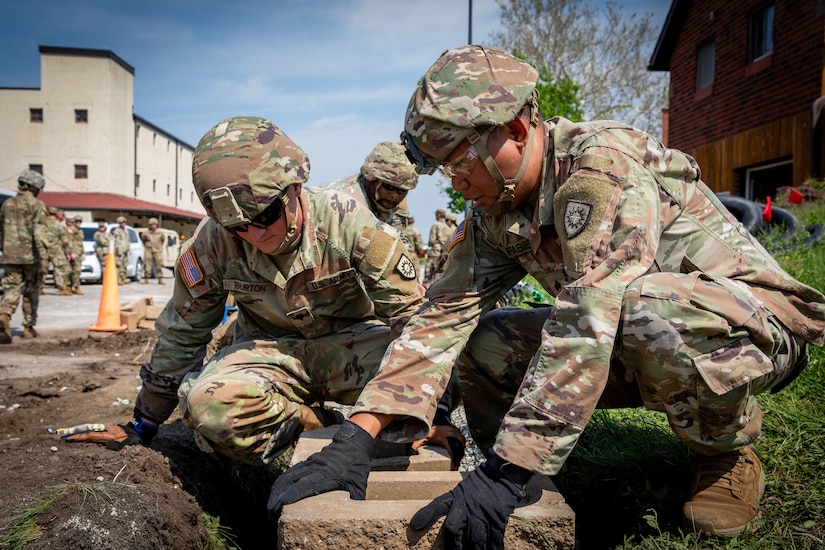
23, 243
59, 247
648, 309
77, 253
102, 240
321, 287
440, 234
122, 248
153, 241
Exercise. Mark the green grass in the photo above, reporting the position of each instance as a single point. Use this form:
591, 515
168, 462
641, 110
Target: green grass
628, 477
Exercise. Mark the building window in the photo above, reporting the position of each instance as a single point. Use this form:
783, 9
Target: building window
705, 65
35, 115
760, 40
36, 168
81, 116
168, 190
137, 181
180, 194
154, 185
81, 171
154, 139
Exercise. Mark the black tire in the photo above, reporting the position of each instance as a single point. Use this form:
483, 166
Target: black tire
747, 212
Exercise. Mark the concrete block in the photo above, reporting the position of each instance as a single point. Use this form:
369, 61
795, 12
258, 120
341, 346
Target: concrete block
391, 456
334, 521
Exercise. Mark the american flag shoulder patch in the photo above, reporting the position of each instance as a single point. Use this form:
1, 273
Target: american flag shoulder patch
192, 273
458, 236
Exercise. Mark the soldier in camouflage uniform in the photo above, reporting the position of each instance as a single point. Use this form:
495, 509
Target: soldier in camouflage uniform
59, 246
416, 242
440, 234
321, 288
663, 299
153, 241
122, 248
23, 243
102, 240
77, 253
382, 184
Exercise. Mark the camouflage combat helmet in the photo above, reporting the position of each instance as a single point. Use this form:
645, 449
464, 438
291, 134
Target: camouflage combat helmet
451, 216
53, 210
465, 88
153, 221
32, 179
121, 219
388, 163
242, 165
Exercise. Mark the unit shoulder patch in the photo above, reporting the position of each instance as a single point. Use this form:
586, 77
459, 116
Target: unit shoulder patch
405, 267
576, 217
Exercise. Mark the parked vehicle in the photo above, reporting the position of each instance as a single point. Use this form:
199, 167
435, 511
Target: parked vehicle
92, 271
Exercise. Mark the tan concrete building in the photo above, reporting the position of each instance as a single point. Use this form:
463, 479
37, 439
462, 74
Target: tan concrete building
79, 130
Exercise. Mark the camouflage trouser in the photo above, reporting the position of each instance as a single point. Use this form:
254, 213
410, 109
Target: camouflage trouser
681, 355
245, 401
60, 271
75, 268
122, 260
101, 258
20, 280
153, 258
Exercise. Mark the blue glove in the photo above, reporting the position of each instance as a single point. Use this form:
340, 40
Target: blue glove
344, 465
478, 508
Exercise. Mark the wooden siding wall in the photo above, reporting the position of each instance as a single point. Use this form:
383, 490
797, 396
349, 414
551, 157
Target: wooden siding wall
788, 137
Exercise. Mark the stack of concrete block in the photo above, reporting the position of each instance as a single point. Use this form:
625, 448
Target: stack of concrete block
140, 314
398, 486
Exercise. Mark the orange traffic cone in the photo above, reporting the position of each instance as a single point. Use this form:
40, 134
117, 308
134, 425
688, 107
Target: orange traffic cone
108, 315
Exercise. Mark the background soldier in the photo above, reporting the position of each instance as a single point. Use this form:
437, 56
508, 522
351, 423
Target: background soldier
59, 251
23, 243
77, 253
122, 247
440, 234
382, 184
318, 299
413, 238
102, 240
648, 309
153, 241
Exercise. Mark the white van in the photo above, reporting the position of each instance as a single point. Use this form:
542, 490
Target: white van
92, 270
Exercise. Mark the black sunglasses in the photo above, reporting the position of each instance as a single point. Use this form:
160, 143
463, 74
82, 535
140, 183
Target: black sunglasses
270, 215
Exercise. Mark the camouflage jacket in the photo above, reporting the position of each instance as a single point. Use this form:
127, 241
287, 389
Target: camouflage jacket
59, 242
76, 240
349, 268
23, 229
440, 234
615, 204
414, 241
102, 240
153, 240
121, 237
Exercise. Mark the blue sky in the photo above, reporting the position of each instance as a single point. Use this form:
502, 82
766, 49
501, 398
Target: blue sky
335, 75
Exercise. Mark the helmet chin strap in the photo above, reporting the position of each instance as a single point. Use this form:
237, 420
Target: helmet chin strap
290, 241
507, 187
376, 198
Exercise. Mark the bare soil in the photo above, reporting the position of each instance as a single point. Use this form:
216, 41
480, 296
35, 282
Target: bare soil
135, 498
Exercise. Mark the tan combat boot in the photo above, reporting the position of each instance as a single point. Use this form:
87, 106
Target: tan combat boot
77, 291
29, 332
65, 292
725, 493
145, 282
5, 328
160, 282
313, 418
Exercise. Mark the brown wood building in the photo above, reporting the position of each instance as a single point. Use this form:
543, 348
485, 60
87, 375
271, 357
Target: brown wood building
746, 90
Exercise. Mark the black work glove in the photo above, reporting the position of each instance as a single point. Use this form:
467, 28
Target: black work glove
478, 508
343, 465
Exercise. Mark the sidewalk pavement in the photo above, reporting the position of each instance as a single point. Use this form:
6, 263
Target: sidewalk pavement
61, 314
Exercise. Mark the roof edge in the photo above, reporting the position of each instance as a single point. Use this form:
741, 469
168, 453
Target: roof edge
676, 16
86, 52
